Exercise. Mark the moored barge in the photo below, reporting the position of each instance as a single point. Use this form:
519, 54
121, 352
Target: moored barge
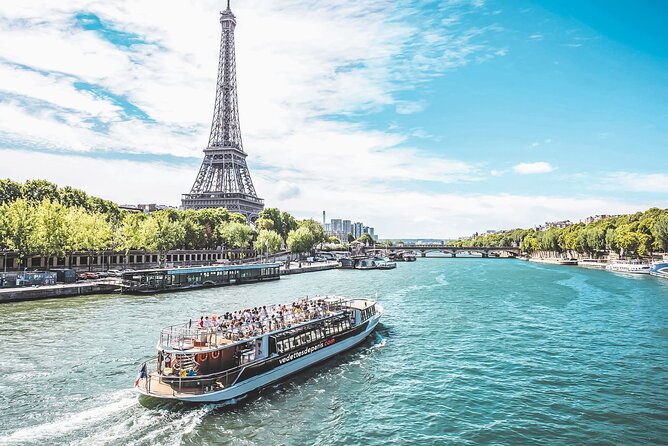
160, 280
220, 359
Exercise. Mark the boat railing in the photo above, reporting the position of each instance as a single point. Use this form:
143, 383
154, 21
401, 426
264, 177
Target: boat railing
197, 384
184, 336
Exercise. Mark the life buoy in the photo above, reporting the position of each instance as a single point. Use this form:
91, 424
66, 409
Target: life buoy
201, 357
215, 355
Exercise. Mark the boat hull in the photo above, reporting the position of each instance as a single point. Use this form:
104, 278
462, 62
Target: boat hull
274, 375
659, 270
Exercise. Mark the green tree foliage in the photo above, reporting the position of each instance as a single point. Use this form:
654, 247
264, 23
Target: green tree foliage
366, 239
301, 240
235, 234
636, 234
351, 237
37, 191
38, 217
88, 232
195, 235
315, 228
268, 241
660, 231
333, 239
161, 233
16, 226
10, 191
50, 234
281, 222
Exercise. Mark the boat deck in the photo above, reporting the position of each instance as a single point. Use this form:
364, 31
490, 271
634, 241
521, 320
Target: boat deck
154, 387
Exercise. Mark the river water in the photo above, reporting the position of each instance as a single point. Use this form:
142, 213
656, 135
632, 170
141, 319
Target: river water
468, 351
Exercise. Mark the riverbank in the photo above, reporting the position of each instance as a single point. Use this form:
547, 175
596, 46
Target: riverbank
56, 291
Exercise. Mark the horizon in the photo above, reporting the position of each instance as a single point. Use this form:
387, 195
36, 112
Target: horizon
439, 118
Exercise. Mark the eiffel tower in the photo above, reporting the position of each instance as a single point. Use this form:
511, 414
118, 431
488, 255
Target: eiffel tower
223, 179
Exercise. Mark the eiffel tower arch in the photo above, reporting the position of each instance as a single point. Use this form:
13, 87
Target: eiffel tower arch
223, 179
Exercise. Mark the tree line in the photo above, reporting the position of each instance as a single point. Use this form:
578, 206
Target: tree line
639, 234
40, 218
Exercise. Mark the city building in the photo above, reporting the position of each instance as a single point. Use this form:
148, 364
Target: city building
346, 227
357, 229
596, 218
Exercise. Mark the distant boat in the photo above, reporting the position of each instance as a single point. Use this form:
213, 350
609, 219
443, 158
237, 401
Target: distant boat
629, 268
659, 269
593, 263
554, 260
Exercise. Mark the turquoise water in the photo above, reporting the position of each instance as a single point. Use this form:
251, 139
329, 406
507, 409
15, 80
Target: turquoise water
469, 351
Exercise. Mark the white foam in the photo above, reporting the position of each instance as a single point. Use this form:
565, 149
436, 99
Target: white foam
75, 421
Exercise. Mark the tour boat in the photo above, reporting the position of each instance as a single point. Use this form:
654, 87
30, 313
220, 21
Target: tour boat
630, 268
247, 350
659, 269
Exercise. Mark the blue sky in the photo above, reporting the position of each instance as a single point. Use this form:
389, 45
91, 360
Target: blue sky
432, 119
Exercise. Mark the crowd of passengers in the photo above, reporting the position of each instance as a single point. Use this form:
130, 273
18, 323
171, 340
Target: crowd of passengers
259, 320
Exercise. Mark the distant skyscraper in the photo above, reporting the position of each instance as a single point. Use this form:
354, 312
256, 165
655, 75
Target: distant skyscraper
337, 225
346, 227
357, 229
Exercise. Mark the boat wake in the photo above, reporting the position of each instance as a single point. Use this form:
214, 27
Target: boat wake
120, 419
121, 401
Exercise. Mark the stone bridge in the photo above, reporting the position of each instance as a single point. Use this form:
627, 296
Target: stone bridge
485, 251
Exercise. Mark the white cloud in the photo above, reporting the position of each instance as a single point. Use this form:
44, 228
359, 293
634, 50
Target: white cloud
394, 213
637, 182
533, 168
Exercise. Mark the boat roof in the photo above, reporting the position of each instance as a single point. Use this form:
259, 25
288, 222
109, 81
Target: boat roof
201, 269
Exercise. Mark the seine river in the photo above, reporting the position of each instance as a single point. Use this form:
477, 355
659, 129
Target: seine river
469, 351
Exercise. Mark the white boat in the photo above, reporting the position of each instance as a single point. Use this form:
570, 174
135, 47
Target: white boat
593, 263
554, 260
629, 268
250, 349
659, 269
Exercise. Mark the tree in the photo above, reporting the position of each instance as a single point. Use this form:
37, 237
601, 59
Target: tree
288, 224
315, 228
269, 241
37, 191
10, 191
130, 233
88, 232
351, 237
660, 231
235, 234
51, 233
210, 219
301, 240
71, 197
281, 222
17, 226
366, 239
265, 224
335, 240
195, 237
162, 234
530, 243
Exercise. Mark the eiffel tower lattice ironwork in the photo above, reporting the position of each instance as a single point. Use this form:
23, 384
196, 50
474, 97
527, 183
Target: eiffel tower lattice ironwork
223, 179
